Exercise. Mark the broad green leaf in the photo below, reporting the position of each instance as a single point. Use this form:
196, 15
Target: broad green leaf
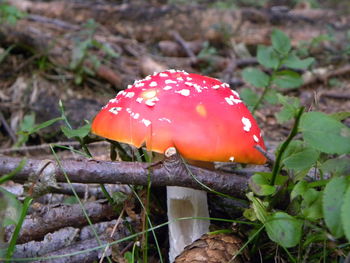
70, 200
294, 147
302, 160
311, 206
271, 96
79, 53
290, 108
299, 189
340, 115
280, 41
80, 132
292, 61
249, 214
256, 77
345, 213
12, 208
27, 123
333, 196
284, 229
267, 57
129, 257
259, 207
287, 79
325, 133
261, 185
119, 197
338, 166
249, 97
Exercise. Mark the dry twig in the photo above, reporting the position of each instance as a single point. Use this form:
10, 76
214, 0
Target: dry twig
91, 171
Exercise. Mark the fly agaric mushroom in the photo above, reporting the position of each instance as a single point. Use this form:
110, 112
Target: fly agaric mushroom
199, 116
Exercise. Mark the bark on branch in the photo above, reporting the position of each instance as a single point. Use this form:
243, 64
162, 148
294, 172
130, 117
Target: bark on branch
39, 224
92, 171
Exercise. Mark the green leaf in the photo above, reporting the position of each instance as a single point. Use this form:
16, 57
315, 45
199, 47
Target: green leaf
256, 77
27, 123
339, 116
10, 213
109, 50
280, 42
128, 256
290, 108
5, 53
259, 207
249, 97
292, 61
284, 229
80, 132
271, 96
12, 244
338, 166
345, 212
333, 196
294, 147
324, 133
260, 185
302, 160
299, 189
45, 124
119, 197
8, 176
249, 214
267, 57
287, 79
311, 206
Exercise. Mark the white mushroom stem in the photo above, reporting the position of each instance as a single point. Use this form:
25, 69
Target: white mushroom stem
185, 202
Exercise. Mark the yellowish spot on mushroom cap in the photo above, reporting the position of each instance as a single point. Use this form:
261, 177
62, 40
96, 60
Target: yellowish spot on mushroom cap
200, 108
149, 94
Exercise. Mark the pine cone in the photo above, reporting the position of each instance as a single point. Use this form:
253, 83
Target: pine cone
216, 248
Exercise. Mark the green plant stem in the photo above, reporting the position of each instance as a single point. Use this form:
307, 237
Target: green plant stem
8, 176
277, 166
262, 96
106, 194
13, 241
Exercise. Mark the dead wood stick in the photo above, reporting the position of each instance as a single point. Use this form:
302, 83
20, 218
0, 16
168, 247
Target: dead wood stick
91, 255
310, 78
66, 239
51, 242
37, 225
7, 127
336, 95
185, 46
90, 171
56, 22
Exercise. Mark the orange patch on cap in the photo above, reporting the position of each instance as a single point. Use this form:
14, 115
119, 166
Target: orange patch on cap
200, 108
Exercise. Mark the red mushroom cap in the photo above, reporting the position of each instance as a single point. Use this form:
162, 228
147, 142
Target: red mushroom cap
200, 116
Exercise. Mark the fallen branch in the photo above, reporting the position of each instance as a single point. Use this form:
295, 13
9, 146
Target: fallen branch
323, 75
69, 239
91, 171
49, 220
